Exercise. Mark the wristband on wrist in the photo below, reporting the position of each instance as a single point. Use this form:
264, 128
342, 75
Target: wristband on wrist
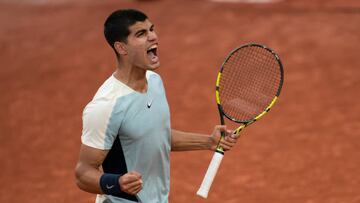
109, 184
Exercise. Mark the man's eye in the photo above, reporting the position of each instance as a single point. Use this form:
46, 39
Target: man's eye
140, 34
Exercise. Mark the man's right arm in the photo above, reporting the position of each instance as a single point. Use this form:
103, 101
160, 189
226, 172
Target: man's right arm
88, 173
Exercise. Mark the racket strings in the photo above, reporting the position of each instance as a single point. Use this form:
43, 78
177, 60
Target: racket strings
250, 79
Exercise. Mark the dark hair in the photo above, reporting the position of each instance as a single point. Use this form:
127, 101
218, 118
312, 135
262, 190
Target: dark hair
116, 26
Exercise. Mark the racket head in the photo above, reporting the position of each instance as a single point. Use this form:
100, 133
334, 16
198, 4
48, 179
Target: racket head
248, 83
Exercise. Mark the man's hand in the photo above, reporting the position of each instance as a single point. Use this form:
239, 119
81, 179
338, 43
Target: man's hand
131, 182
227, 143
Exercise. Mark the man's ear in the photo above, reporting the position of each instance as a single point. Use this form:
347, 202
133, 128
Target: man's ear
120, 47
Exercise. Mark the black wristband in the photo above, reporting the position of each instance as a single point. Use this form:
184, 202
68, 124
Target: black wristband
109, 184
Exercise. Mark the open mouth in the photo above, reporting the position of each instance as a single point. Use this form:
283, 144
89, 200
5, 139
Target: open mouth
152, 54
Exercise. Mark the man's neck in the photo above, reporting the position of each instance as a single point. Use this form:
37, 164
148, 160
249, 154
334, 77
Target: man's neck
133, 77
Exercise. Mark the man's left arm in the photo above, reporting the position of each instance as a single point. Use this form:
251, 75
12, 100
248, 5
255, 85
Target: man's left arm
185, 141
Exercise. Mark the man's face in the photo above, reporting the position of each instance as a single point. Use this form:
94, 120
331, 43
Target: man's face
142, 46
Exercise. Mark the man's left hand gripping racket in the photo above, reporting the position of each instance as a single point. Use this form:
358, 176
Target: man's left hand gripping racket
247, 86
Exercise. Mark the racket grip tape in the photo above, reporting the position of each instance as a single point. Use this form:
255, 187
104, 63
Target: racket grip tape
210, 175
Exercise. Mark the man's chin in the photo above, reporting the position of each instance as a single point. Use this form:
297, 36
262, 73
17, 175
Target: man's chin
155, 66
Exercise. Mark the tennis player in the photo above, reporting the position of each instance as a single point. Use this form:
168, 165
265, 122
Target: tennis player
127, 136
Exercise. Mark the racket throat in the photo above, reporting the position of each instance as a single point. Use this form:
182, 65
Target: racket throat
237, 131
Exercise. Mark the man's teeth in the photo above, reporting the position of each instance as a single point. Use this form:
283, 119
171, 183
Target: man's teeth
152, 47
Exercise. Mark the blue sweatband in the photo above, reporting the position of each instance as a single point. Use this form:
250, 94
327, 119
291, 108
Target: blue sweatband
109, 184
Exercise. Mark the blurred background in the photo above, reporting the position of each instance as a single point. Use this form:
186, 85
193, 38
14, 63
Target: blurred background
53, 58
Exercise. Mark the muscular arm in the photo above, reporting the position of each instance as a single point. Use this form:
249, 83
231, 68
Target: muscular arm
88, 173
184, 141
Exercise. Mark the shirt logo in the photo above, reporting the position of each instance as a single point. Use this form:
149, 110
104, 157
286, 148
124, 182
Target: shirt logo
149, 103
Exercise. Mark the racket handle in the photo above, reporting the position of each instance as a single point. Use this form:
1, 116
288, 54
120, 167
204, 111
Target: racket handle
210, 175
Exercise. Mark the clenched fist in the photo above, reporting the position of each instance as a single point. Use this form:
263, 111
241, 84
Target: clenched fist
131, 182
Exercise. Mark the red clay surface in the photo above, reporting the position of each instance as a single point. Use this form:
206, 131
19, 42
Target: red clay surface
53, 58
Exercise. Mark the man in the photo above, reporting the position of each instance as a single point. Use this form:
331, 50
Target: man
126, 138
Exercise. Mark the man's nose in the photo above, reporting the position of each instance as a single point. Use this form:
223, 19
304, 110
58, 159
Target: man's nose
152, 36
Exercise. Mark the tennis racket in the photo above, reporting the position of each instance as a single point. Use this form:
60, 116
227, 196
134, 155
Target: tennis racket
247, 86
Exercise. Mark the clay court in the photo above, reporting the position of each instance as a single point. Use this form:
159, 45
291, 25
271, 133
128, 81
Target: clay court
54, 57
